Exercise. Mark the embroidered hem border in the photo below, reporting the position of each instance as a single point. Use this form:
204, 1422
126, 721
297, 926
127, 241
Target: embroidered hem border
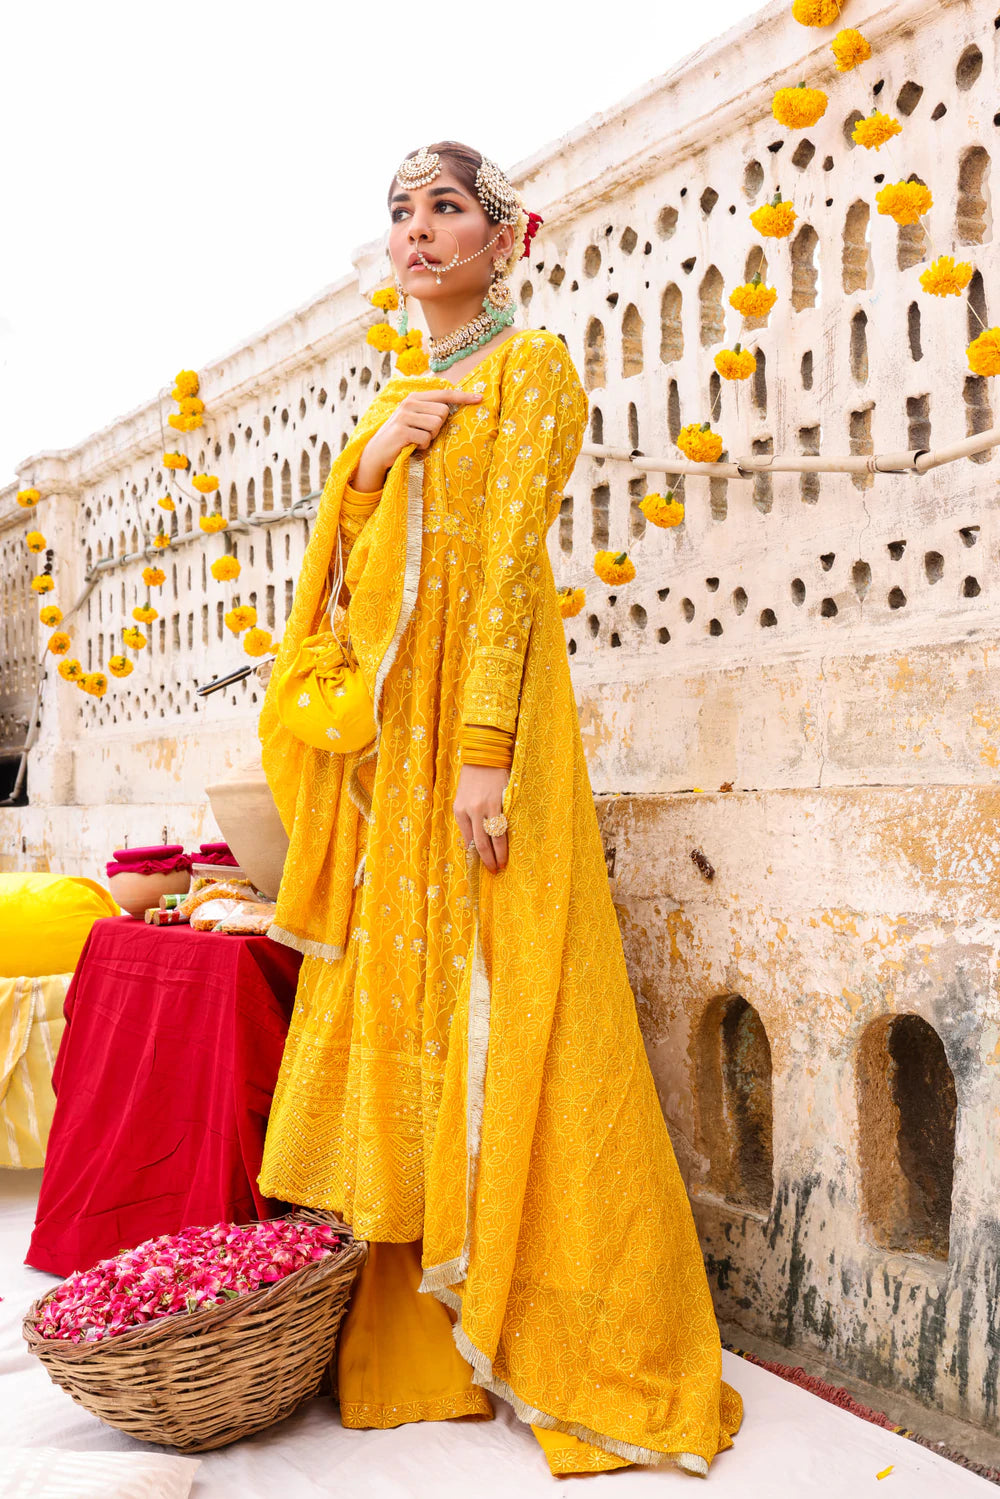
304, 945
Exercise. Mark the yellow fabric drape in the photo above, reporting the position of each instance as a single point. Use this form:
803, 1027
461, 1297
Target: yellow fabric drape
31, 1025
465, 1062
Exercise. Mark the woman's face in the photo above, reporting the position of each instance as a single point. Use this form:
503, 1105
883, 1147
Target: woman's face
437, 220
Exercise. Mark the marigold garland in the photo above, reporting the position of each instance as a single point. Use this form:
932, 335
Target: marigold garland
50, 614
153, 577
385, 299
71, 670
182, 423
946, 277
797, 108
257, 642
145, 613
698, 442
161, 540
94, 682
849, 49
875, 129
120, 666
43, 583
242, 617
735, 364
186, 384
904, 201
190, 405
225, 569
571, 601
35, 541
28, 497
59, 643
167, 503
133, 637
662, 509
753, 298
175, 460
776, 219
412, 362
614, 567
213, 523
815, 12
381, 336
984, 353
205, 483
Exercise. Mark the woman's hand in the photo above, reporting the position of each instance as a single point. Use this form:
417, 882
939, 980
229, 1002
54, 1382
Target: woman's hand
480, 794
417, 419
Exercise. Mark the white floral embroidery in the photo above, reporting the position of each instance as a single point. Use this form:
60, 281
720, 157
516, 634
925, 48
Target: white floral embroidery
515, 507
530, 539
332, 733
304, 700
525, 451
397, 943
509, 428
464, 463
419, 732
531, 395
495, 616
503, 482
548, 422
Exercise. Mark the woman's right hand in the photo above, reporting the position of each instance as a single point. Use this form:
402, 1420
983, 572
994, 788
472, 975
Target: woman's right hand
417, 419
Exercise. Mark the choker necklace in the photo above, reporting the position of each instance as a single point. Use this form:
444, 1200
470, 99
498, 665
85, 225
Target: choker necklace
497, 313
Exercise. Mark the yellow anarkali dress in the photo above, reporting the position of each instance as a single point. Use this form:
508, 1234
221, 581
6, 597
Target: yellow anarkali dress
464, 1078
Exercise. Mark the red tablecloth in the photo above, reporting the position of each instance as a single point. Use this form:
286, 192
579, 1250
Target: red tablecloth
163, 1087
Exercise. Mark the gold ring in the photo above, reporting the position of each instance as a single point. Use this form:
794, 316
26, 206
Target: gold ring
495, 827
470, 846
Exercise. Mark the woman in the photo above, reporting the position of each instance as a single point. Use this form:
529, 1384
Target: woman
464, 1078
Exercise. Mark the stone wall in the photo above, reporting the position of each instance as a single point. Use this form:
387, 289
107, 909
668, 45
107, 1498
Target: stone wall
815, 951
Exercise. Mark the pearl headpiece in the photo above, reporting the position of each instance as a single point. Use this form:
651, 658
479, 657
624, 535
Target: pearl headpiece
418, 170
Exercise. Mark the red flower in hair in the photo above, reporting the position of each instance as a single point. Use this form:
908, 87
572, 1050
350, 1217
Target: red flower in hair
534, 219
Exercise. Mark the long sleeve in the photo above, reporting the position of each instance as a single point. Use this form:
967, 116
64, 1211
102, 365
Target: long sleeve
543, 413
355, 509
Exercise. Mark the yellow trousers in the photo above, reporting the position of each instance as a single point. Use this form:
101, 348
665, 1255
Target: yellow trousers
397, 1362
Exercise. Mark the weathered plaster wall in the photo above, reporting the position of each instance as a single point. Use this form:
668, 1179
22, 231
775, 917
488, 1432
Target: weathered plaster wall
827, 648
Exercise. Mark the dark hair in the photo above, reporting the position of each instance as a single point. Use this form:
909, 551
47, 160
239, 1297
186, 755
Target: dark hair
464, 161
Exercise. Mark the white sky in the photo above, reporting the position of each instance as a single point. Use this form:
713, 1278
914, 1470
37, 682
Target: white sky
175, 177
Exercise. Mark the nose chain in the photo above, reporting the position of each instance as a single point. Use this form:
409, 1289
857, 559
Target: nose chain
455, 262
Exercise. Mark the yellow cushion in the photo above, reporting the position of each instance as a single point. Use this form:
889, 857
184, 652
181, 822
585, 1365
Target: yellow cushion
44, 921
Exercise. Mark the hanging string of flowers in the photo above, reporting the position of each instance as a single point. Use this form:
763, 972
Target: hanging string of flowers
405, 342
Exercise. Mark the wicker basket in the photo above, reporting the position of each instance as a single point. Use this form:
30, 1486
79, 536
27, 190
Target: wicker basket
203, 1379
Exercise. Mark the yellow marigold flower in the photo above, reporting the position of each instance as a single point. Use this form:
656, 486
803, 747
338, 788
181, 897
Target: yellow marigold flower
257, 642
381, 336
28, 497
699, 443
175, 460
571, 601
161, 540
224, 569
35, 541
662, 509
753, 298
776, 219
984, 353
735, 364
213, 523
145, 613
414, 338
412, 362
205, 483
816, 12
614, 567
243, 617
849, 48
904, 201
166, 503
798, 107
385, 299
946, 277
50, 614
186, 383
133, 637
119, 666
875, 129
190, 405
94, 682
153, 576
43, 583
58, 643
70, 670
184, 423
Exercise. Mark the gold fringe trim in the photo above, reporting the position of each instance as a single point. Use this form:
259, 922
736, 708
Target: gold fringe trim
304, 945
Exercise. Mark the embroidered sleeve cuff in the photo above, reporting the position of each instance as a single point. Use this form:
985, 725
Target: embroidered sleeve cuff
493, 689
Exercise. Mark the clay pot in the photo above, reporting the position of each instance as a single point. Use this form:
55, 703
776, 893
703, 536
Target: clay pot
135, 893
244, 808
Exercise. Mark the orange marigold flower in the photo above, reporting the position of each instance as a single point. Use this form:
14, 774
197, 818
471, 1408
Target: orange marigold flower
190, 405
849, 48
414, 338
904, 201
753, 298
182, 423
775, 219
816, 12
699, 443
735, 364
28, 497
153, 576
145, 613
175, 460
35, 541
186, 383
59, 643
571, 601
71, 670
614, 567
120, 666
213, 523
50, 614
946, 277
257, 642
243, 617
385, 299
662, 509
412, 362
161, 540
797, 108
205, 483
875, 129
134, 637
167, 503
984, 353
94, 682
381, 336
43, 583
224, 569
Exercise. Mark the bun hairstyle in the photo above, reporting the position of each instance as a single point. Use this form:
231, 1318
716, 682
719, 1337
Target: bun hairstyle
465, 162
